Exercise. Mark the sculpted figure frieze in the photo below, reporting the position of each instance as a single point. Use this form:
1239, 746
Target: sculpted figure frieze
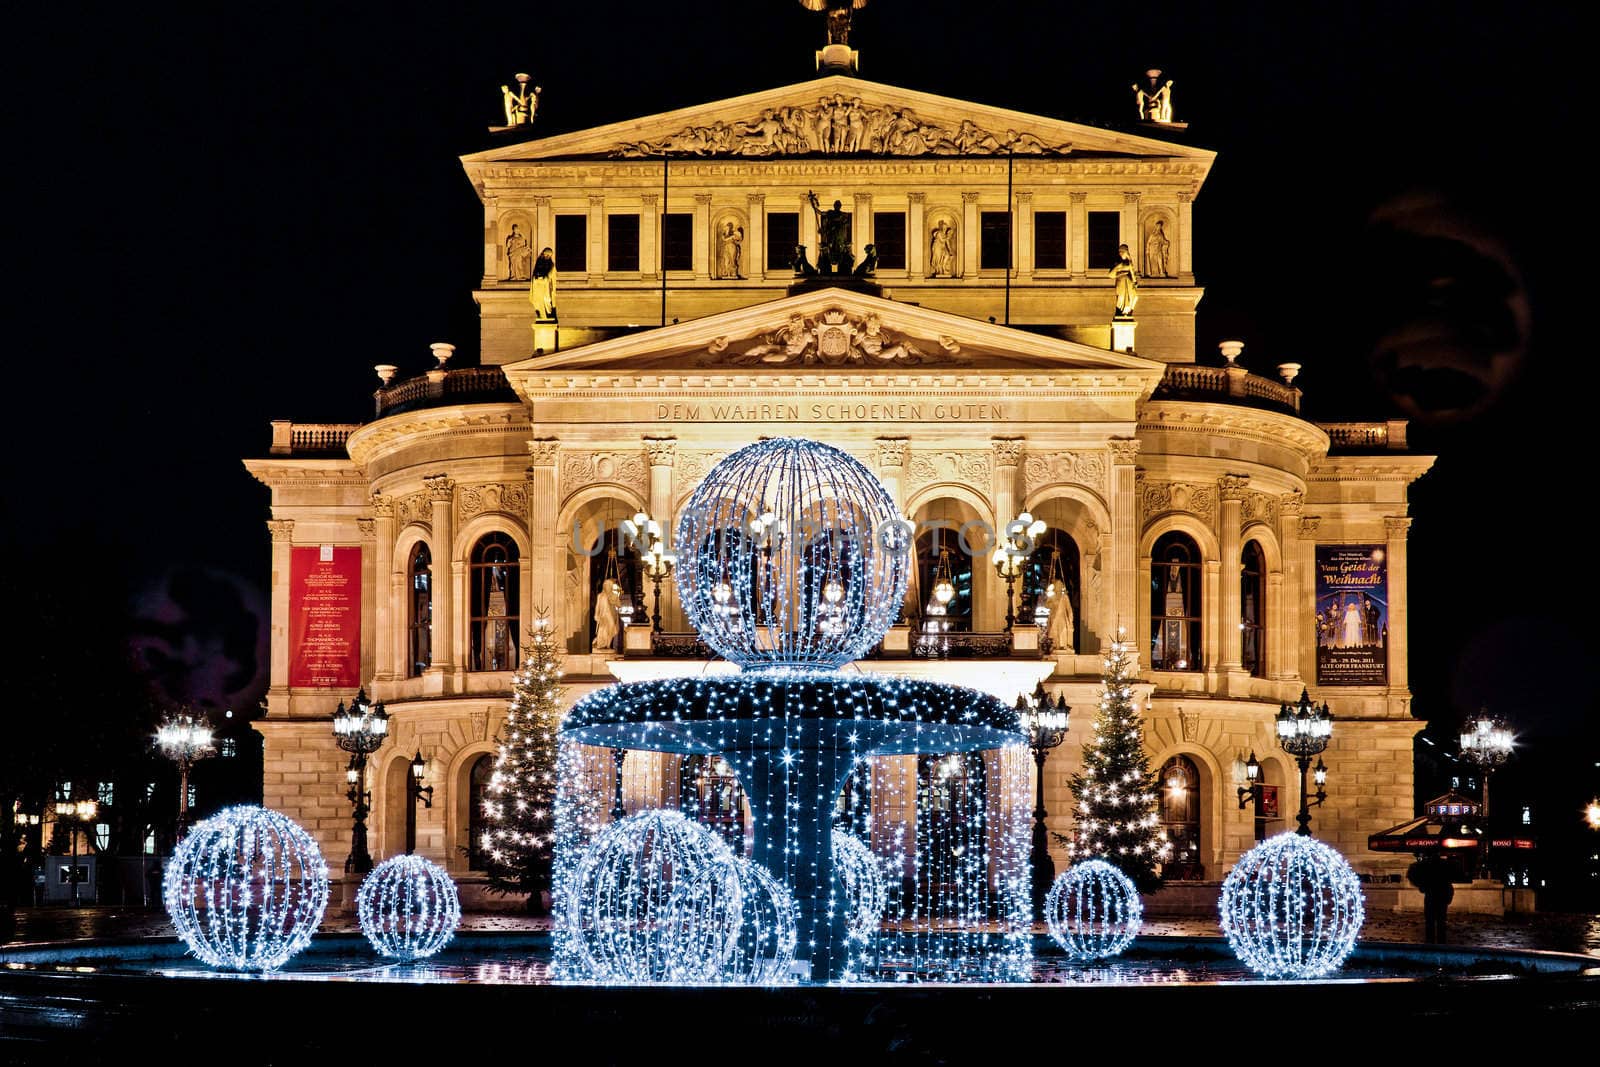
833, 339
840, 126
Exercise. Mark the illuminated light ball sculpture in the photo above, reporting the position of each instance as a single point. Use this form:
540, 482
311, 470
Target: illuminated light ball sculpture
768, 932
246, 889
408, 907
797, 556
864, 893
1093, 911
1291, 908
655, 898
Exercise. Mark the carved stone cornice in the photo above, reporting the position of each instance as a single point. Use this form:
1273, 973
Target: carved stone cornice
1232, 421
382, 506
1124, 450
1007, 450
661, 450
968, 197
296, 474
969, 467
412, 428
1193, 498
281, 529
582, 469
368, 528
440, 487
1233, 486
1396, 525
508, 181
510, 498
892, 452
1064, 468
1309, 524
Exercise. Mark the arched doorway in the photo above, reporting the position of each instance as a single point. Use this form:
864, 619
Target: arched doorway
614, 558
1052, 566
1180, 787
478, 781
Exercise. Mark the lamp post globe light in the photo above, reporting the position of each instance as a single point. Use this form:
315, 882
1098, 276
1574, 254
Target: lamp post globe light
74, 813
1303, 731
359, 729
1016, 543
1486, 742
1046, 724
185, 738
658, 561
417, 790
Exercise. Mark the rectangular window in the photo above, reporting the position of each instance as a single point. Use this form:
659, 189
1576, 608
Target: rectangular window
677, 241
783, 233
572, 243
106, 794
230, 748
1049, 240
994, 233
1105, 234
622, 242
889, 234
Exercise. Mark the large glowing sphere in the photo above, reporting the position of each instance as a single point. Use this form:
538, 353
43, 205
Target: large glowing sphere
1093, 910
655, 898
768, 931
1291, 908
791, 554
408, 907
864, 893
246, 889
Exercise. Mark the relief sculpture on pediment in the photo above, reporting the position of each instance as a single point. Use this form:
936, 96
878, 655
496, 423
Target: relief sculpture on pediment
833, 338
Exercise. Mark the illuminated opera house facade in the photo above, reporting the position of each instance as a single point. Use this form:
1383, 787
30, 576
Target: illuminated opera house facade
982, 372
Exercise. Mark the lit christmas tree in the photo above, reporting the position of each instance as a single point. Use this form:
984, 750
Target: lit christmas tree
1117, 818
520, 806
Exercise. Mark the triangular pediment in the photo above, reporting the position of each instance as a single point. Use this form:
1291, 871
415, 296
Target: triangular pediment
834, 331
840, 116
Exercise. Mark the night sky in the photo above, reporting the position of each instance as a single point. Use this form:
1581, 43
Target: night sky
230, 218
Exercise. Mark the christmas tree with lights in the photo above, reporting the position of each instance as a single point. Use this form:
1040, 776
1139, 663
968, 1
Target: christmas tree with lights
520, 805
1117, 819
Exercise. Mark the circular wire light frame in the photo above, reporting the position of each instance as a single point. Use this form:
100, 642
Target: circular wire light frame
1292, 907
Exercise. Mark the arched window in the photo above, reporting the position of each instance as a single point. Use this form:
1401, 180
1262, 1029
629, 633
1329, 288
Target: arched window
494, 617
1180, 817
951, 839
939, 556
1052, 567
710, 792
1175, 604
1253, 609
419, 611
477, 824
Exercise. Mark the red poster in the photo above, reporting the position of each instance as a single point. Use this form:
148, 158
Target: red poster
325, 617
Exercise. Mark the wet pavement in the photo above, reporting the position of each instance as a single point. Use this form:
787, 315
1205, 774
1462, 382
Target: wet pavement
1560, 932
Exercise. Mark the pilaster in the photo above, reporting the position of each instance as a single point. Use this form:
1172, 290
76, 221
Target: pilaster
663, 453
1078, 226
755, 238
861, 225
1305, 596
1283, 639
1185, 237
546, 561
383, 591
1125, 540
650, 236
441, 495
1007, 463
916, 237
371, 596
597, 238
1231, 489
1022, 239
282, 532
702, 236
544, 225
1396, 530
969, 233
1128, 229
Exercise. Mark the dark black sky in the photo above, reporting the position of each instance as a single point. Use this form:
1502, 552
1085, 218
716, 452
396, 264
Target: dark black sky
230, 216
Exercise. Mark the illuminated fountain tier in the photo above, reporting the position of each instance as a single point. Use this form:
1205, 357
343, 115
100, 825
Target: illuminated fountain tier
793, 562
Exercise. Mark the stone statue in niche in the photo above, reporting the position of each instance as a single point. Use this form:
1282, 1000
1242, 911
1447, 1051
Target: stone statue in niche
1155, 251
542, 293
607, 617
1060, 629
942, 250
730, 250
833, 237
519, 256
1127, 283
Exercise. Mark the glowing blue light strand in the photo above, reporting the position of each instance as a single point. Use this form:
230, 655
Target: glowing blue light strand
1093, 910
1292, 907
763, 952
860, 875
246, 889
408, 907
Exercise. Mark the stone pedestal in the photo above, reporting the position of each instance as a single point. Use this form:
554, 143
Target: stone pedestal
898, 640
546, 338
1024, 639
1122, 335
636, 641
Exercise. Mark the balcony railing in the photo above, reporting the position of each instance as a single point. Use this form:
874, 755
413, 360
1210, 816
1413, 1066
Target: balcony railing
961, 645
1186, 381
306, 438
1387, 436
464, 385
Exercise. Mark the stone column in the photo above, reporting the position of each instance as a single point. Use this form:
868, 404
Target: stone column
1305, 597
1128, 231
1125, 540
969, 234
663, 453
1007, 460
1283, 639
808, 230
597, 236
1395, 529
891, 468
916, 237
1186, 236
544, 226
650, 236
1022, 240
1078, 234
547, 562
441, 494
282, 531
1231, 490
383, 588
491, 240
861, 225
755, 238
702, 236
371, 597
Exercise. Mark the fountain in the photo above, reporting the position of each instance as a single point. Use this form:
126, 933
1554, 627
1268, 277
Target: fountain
794, 562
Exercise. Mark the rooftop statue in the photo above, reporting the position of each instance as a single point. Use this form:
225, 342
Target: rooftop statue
838, 16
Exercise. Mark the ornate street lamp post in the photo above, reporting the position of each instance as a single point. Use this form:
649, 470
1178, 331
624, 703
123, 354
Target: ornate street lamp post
75, 813
1046, 724
185, 738
416, 790
1486, 742
1016, 543
1303, 731
359, 730
1251, 790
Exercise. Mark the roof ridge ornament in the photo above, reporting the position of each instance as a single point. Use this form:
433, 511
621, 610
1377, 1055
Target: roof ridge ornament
837, 56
